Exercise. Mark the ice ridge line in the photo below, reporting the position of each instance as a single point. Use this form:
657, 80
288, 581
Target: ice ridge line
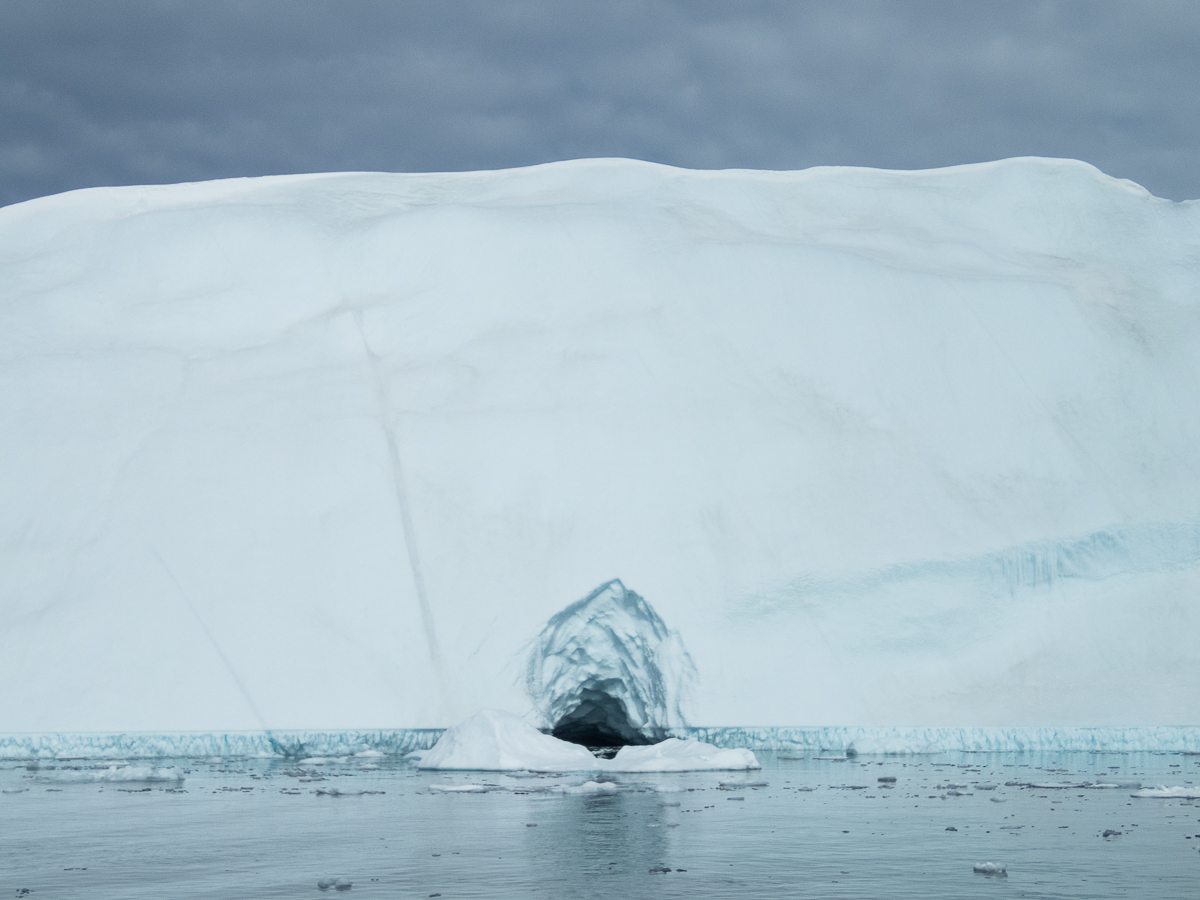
285, 744
851, 740
875, 740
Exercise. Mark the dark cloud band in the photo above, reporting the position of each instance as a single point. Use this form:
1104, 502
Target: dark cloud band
125, 93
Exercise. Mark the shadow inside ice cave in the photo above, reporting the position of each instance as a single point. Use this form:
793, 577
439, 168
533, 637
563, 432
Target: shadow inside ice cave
599, 721
606, 672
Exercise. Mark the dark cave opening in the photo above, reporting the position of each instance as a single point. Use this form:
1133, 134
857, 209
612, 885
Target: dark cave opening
599, 722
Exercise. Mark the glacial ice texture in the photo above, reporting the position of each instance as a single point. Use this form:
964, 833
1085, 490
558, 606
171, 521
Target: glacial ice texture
326, 451
606, 671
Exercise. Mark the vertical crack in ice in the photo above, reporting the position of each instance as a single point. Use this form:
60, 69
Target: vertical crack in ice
410, 540
607, 671
187, 601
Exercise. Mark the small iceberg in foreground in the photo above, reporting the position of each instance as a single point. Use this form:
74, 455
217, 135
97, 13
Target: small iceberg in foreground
496, 741
114, 773
990, 868
1170, 793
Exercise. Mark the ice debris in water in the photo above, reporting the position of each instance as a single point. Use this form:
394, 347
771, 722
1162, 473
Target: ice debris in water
606, 671
115, 774
990, 868
338, 884
493, 740
591, 787
1170, 793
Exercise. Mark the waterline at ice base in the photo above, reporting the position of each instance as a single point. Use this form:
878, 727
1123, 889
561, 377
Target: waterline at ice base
891, 461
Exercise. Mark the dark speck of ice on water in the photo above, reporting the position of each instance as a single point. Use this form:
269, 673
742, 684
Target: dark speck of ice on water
841, 828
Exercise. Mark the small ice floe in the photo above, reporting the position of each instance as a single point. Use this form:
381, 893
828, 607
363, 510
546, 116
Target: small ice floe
374, 754
990, 868
462, 788
415, 756
832, 758
321, 760
334, 792
1109, 832
1169, 793
337, 884
591, 787
119, 774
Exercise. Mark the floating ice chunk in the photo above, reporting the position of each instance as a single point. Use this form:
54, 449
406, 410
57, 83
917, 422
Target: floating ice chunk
1170, 793
338, 884
990, 868
495, 741
374, 753
591, 787
115, 774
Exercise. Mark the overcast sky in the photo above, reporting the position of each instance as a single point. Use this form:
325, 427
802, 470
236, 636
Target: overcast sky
102, 93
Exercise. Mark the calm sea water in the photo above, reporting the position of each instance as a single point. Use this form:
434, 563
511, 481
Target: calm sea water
799, 828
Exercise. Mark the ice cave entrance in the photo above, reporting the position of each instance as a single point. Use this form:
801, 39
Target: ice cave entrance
606, 672
600, 721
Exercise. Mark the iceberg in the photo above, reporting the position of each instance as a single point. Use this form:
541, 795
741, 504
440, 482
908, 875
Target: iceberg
300, 465
496, 741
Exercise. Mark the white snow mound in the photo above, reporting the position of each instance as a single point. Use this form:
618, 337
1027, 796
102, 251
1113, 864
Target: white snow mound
675, 755
493, 741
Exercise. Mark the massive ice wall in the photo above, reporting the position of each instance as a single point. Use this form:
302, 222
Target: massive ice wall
326, 452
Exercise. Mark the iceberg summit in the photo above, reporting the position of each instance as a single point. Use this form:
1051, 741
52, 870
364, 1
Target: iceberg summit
607, 672
905, 460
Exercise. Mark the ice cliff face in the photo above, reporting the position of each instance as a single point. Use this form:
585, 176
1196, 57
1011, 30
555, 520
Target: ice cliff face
321, 453
606, 671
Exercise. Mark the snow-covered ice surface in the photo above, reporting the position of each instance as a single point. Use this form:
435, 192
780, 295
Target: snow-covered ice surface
327, 452
498, 741
909, 828
493, 740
